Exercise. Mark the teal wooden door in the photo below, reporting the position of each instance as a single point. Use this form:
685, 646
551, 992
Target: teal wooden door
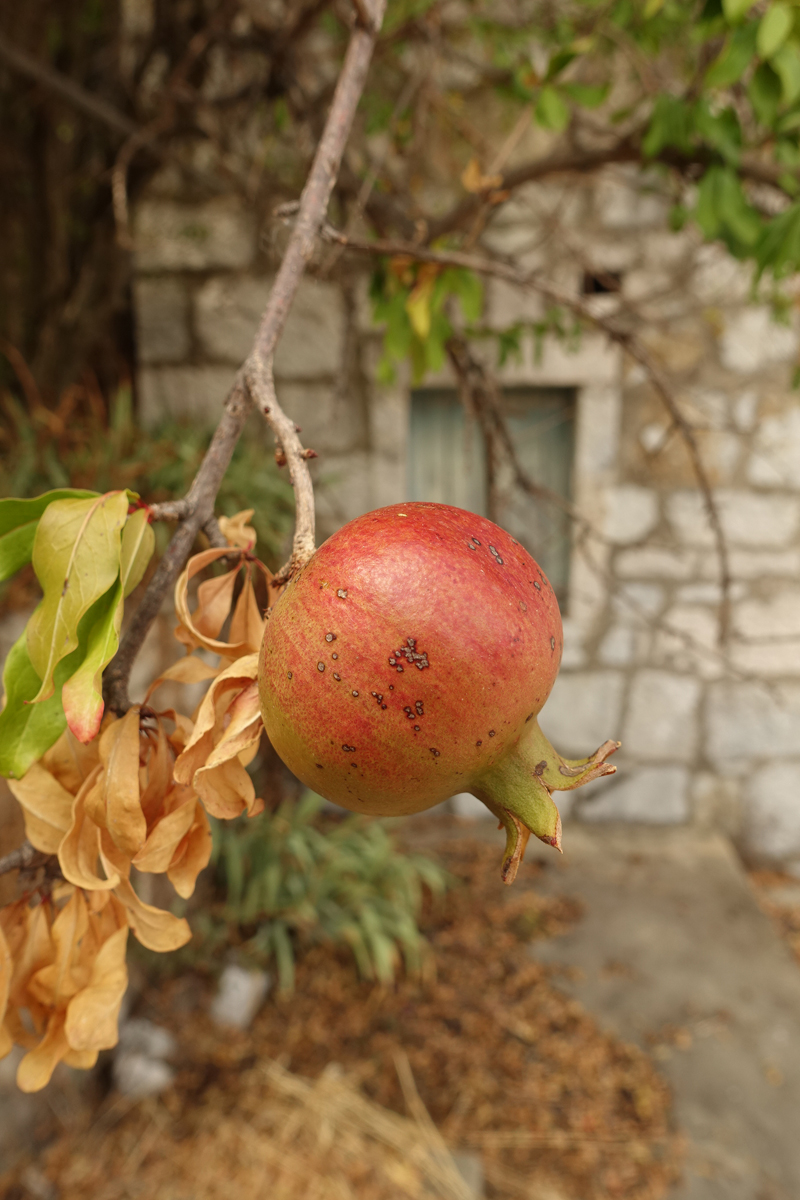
447, 463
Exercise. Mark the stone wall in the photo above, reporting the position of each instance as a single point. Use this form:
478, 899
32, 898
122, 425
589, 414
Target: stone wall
709, 735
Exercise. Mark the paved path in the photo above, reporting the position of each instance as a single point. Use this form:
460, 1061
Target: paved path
673, 951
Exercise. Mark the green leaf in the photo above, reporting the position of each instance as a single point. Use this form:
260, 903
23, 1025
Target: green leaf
18, 521
28, 730
551, 111
765, 92
669, 126
82, 695
736, 9
469, 288
778, 248
773, 29
723, 211
587, 95
136, 549
734, 59
76, 556
787, 63
720, 130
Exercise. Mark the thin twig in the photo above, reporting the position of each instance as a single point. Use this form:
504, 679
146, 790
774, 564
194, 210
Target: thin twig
54, 81
21, 859
255, 382
258, 369
533, 281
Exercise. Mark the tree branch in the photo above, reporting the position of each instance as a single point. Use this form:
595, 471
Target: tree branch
255, 381
22, 859
54, 81
258, 369
622, 337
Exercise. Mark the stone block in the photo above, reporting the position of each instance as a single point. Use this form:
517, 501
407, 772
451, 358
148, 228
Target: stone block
661, 720
745, 410
227, 313
618, 647
625, 206
342, 484
584, 709
772, 811
655, 795
748, 518
775, 457
769, 629
388, 422
753, 340
240, 994
162, 320
195, 393
757, 564
633, 603
169, 236
773, 659
655, 562
631, 513
688, 640
746, 722
707, 593
506, 305
718, 278
716, 803
331, 423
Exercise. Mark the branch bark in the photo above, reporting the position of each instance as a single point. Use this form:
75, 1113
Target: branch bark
622, 337
255, 380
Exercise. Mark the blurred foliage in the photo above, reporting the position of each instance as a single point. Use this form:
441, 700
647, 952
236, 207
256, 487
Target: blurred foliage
289, 879
85, 443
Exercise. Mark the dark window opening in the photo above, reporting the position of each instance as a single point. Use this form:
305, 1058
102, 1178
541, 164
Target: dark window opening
447, 463
601, 283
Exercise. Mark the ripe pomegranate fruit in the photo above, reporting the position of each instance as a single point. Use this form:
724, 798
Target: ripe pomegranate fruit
408, 661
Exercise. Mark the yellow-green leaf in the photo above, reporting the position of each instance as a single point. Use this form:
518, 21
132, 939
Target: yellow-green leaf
76, 557
773, 29
18, 521
82, 694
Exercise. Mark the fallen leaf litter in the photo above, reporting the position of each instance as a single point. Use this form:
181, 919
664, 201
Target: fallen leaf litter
507, 1066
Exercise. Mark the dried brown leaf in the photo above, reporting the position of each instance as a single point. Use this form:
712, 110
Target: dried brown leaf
247, 623
237, 531
192, 855
119, 752
92, 1015
36, 1068
209, 725
46, 806
186, 670
157, 853
70, 761
155, 928
79, 852
55, 983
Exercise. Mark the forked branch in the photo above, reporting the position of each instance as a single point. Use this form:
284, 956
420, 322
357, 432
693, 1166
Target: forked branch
255, 381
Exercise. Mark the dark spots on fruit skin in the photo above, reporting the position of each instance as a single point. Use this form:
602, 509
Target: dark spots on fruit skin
348, 749
399, 670
330, 637
288, 674
491, 733
320, 666
552, 643
383, 706
434, 752
537, 585
342, 593
416, 729
354, 765
320, 766
338, 678
528, 718
541, 767
523, 606
391, 687
409, 713
409, 652
354, 693
334, 656
479, 742
420, 708
475, 540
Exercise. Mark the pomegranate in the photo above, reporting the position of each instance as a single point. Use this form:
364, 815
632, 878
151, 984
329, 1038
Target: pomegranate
408, 661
